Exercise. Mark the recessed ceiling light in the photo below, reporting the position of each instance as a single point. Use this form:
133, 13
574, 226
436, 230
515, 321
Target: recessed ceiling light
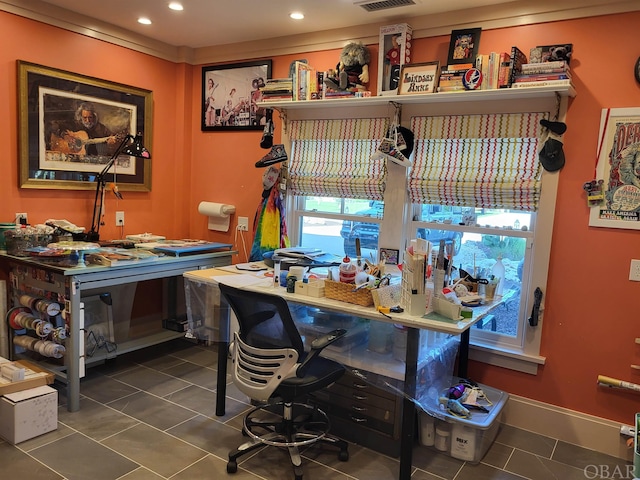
176, 6
297, 15
144, 21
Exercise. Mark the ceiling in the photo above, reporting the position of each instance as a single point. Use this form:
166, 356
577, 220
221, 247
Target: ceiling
205, 23
262, 28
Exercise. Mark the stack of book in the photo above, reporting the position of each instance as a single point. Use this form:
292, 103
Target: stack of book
277, 90
339, 94
555, 73
510, 67
489, 65
451, 78
305, 82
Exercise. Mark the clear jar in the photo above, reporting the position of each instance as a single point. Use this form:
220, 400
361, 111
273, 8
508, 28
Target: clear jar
443, 437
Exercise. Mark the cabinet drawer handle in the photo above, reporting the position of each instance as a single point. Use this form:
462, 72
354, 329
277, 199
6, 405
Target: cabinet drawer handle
359, 409
359, 385
358, 420
359, 397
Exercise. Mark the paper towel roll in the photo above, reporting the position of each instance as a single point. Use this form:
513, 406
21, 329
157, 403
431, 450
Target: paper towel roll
218, 214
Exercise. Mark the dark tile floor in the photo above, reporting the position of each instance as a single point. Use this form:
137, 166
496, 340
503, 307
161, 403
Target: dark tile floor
151, 415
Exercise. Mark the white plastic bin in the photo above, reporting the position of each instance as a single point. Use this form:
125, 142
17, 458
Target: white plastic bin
469, 438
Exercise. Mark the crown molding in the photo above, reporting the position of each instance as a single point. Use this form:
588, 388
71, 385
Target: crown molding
516, 13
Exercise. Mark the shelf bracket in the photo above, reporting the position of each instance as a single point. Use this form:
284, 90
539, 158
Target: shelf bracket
558, 104
282, 115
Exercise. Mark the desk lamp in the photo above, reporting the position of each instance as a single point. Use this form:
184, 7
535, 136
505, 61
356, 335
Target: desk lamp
134, 149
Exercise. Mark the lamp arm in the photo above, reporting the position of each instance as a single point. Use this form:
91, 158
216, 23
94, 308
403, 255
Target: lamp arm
97, 210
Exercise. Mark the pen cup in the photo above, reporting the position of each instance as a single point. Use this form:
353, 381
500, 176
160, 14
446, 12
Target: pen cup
490, 291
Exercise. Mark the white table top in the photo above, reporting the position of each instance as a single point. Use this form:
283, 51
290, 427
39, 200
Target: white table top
258, 282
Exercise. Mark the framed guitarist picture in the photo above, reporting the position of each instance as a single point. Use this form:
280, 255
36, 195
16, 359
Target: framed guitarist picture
70, 126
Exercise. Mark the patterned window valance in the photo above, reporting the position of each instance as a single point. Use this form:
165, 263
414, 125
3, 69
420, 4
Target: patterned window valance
487, 161
332, 158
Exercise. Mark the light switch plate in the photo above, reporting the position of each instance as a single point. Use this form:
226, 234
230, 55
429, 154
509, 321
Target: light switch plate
634, 271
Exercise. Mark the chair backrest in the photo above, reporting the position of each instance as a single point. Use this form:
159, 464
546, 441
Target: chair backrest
257, 372
265, 320
267, 347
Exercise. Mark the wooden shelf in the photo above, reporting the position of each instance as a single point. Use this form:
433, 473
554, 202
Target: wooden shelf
429, 98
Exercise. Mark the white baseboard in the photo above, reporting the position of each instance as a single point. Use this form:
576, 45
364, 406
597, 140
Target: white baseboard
573, 427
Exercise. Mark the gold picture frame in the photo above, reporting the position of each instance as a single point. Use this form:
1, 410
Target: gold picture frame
70, 123
419, 78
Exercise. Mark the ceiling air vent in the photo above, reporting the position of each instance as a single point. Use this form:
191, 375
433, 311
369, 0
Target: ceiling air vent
375, 5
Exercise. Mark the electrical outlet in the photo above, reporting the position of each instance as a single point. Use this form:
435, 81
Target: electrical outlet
243, 224
634, 271
21, 218
119, 219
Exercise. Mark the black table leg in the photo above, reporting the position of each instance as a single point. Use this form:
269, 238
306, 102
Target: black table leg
463, 359
221, 388
408, 406
223, 352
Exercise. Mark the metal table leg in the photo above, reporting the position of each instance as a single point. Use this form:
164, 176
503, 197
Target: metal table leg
408, 406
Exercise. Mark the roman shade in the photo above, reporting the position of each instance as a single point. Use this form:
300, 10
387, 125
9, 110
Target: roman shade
485, 161
332, 158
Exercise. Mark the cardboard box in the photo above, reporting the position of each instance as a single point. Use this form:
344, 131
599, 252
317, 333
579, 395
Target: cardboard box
34, 377
394, 50
314, 288
28, 414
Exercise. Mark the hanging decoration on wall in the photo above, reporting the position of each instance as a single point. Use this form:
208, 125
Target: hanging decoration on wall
618, 164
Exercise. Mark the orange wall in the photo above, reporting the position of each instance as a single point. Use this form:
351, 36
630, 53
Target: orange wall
590, 319
145, 212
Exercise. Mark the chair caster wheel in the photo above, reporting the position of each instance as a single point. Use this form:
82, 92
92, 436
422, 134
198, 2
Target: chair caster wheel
232, 466
343, 456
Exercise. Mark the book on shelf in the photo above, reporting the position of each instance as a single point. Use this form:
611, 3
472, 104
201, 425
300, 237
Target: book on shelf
451, 83
543, 83
305, 82
482, 64
277, 90
339, 94
460, 67
559, 66
493, 70
513, 67
277, 98
452, 88
518, 58
539, 77
504, 70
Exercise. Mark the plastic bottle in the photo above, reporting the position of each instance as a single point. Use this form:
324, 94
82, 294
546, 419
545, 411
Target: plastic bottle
347, 271
499, 272
276, 273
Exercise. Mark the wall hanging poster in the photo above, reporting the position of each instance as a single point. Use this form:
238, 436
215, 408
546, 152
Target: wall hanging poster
619, 166
230, 94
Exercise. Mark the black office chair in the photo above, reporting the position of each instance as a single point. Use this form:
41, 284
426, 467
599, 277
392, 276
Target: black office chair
271, 366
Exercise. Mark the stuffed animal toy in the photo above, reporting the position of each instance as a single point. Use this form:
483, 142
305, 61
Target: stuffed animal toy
352, 70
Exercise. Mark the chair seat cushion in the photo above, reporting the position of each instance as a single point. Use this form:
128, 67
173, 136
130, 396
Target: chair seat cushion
321, 373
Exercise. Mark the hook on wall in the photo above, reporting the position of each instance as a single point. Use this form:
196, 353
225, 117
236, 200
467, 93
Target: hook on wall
397, 113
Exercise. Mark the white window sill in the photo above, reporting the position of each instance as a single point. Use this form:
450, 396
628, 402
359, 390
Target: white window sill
502, 357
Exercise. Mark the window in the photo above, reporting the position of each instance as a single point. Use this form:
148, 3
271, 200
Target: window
477, 178
338, 188
480, 191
